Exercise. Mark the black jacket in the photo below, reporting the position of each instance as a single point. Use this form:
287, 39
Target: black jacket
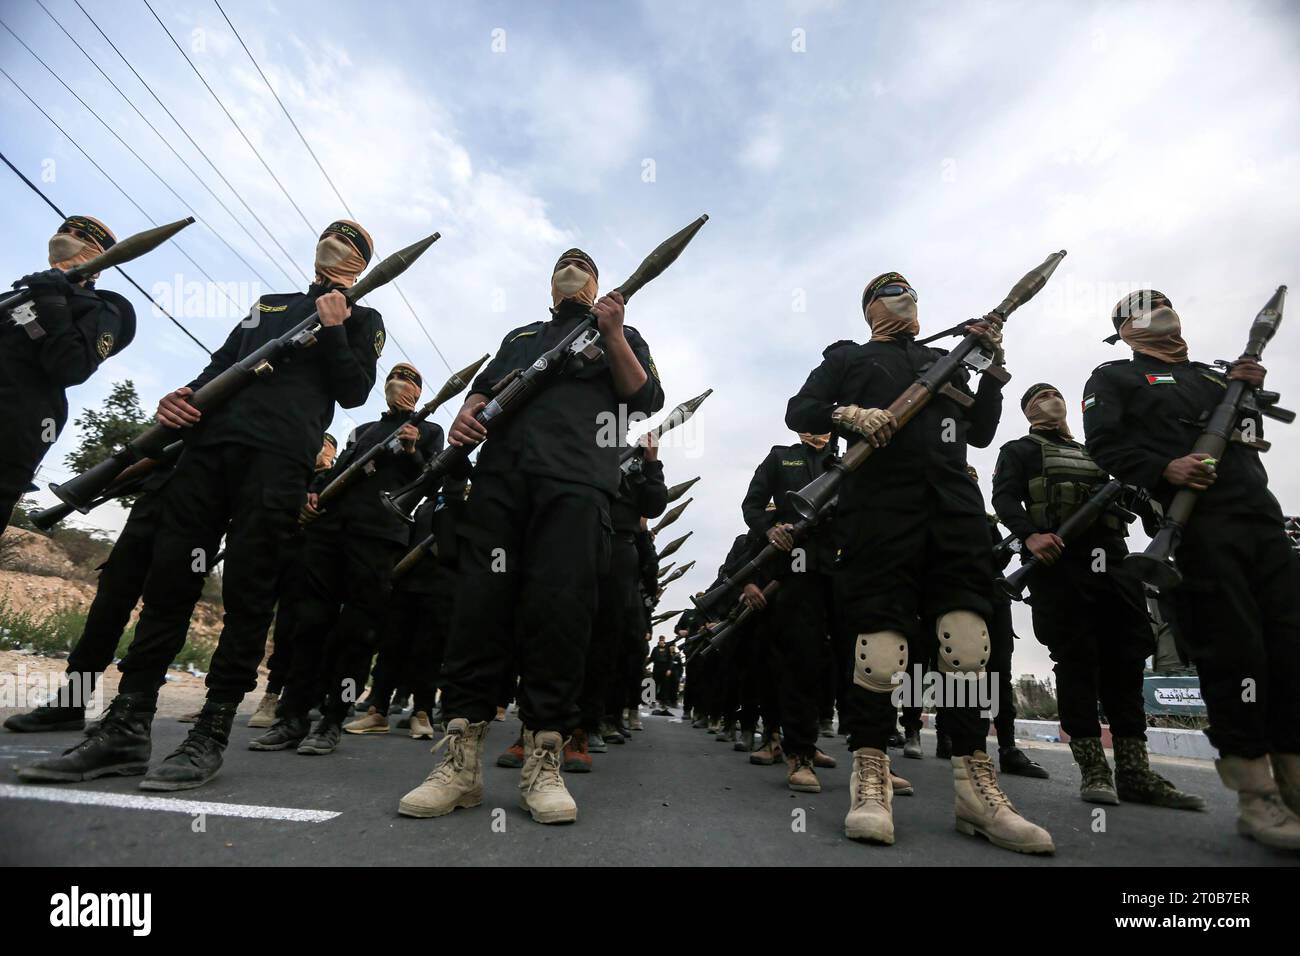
918, 469
360, 509
82, 328
287, 411
562, 431
1140, 414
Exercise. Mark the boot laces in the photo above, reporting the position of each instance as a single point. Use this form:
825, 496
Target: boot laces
453, 761
871, 779
985, 779
544, 774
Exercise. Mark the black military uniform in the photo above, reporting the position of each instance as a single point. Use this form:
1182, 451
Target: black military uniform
799, 615
79, 327
1237, 609
121, 582
1094, 623
618, 636
344, 597
423, 598
244, 474
910, 525
536, 532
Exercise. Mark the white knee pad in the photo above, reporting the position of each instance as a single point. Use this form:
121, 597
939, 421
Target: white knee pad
877, 658
963, 642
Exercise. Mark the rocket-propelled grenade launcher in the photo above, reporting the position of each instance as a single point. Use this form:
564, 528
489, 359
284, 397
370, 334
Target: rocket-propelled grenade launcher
86, 487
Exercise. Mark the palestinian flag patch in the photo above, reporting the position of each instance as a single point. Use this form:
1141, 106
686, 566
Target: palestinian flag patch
1089, 401
1160, 378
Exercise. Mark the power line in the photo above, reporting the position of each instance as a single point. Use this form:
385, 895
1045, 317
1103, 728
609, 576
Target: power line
180, 49
138, 207
293, 261
239, 222
143, 161
397, 288
49, 202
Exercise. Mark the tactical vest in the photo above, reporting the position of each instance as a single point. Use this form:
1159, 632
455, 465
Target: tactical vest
1069, 478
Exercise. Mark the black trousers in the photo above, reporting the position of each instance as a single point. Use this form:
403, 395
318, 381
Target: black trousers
759, 698
532, 551
799, 625
1002, 643
341, 604
121, 582
280, 662
414, 640
251, 496
1096, 627
901, 571
608, 649
1238, 610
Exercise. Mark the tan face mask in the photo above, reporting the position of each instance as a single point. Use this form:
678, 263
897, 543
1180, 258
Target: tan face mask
401, 395
67, 251
325, 457
816, 442
890, 316
1047, 411
337, 262
573, 282
1156, 332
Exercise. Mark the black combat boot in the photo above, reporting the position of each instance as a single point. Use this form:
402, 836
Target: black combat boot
198, 758
119, 745
47, 717
285, 734
324, 737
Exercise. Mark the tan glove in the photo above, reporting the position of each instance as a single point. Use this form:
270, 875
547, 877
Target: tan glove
876, 425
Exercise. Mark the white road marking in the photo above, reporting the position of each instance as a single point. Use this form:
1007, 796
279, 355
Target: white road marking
134, 801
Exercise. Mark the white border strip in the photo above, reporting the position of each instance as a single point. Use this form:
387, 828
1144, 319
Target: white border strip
133, 801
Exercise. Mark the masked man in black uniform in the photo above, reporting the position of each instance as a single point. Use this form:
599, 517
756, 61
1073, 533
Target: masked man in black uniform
1238, 607
54, 341
914, 557
535, 541
1094, 623
352, 547
244, 474
799, 614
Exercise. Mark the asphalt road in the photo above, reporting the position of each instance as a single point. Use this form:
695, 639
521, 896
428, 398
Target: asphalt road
671, 796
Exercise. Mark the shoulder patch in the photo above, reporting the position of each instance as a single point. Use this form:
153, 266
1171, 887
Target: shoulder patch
1089, 401
379, 343
1161, 378
263, 307
654, 371
793, 461
104, 344
520, 335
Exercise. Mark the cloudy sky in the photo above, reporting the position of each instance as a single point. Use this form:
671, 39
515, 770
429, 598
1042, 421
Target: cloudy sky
958, 143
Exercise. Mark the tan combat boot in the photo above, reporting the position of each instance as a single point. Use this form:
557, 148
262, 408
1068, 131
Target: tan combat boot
458, 780
421, 729
983, 808
1261, 813
372, 722
871, 807
801, 777
264, 716
1286, 771
902, 788
541, 788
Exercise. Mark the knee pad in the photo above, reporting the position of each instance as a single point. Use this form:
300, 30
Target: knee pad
963, 642
877, 658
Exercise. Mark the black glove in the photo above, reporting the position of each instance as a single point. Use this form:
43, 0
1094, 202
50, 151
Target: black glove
48, 282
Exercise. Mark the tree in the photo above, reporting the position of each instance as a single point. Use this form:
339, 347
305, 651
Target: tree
107, 430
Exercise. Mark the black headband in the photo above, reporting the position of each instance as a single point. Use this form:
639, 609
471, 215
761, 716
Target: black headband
92, 228
581, 257
1034, 390
883, 279
352, 235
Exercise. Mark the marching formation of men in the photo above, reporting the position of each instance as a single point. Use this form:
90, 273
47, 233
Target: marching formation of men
532, 574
